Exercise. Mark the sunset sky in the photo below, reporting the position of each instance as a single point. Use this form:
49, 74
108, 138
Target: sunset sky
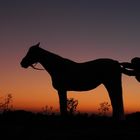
80, 30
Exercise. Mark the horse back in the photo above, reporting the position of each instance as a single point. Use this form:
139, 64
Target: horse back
86, 76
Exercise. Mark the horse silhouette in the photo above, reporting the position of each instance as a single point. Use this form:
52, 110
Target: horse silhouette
68, 75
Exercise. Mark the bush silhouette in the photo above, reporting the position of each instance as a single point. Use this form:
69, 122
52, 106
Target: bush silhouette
104, 108
72, 106
47, 110
6, 104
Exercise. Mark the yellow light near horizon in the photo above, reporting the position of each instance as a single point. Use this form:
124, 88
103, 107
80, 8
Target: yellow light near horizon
33, 90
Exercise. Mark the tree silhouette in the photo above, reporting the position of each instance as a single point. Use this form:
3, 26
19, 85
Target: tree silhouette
72, 105
104, 108
6, 104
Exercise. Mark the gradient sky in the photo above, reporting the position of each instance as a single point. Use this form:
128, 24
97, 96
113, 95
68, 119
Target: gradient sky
80, 30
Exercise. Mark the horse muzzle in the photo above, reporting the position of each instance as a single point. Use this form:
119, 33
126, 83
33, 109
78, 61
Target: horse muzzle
23, 64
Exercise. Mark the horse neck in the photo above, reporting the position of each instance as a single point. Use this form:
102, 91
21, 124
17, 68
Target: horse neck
49, 60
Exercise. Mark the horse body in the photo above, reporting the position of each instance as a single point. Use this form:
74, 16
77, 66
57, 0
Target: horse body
84, 76
68, 75
73, 76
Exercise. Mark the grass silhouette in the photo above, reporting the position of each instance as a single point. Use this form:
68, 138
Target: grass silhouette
22, 124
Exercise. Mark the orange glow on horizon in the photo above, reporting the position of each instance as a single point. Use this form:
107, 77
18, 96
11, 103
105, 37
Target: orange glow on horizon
39, 96
33, 90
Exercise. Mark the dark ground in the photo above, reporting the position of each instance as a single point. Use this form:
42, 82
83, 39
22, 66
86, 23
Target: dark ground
22, 125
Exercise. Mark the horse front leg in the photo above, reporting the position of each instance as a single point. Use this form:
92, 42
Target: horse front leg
114, 88
63, 102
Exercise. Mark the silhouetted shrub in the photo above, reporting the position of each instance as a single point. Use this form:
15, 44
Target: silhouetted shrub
104, 108
48, 110
6, 105
72, 106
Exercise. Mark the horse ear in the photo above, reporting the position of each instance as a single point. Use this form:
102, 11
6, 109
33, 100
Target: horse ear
38, 44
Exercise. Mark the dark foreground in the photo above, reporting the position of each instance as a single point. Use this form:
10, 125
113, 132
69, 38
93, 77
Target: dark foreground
22, 125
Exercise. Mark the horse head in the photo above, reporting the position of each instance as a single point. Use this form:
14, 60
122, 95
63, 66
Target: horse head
31, 56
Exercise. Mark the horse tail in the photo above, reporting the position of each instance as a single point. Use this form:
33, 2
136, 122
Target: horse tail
132, 69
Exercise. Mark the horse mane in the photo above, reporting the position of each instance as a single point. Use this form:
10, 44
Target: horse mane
55, 56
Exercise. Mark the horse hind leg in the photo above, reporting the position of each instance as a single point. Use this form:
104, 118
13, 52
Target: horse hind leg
114, 89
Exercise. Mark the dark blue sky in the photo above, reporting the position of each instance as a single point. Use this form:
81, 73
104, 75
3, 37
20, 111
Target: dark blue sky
69, 25
77, 29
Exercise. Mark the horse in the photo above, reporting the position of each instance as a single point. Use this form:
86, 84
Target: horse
68, 75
